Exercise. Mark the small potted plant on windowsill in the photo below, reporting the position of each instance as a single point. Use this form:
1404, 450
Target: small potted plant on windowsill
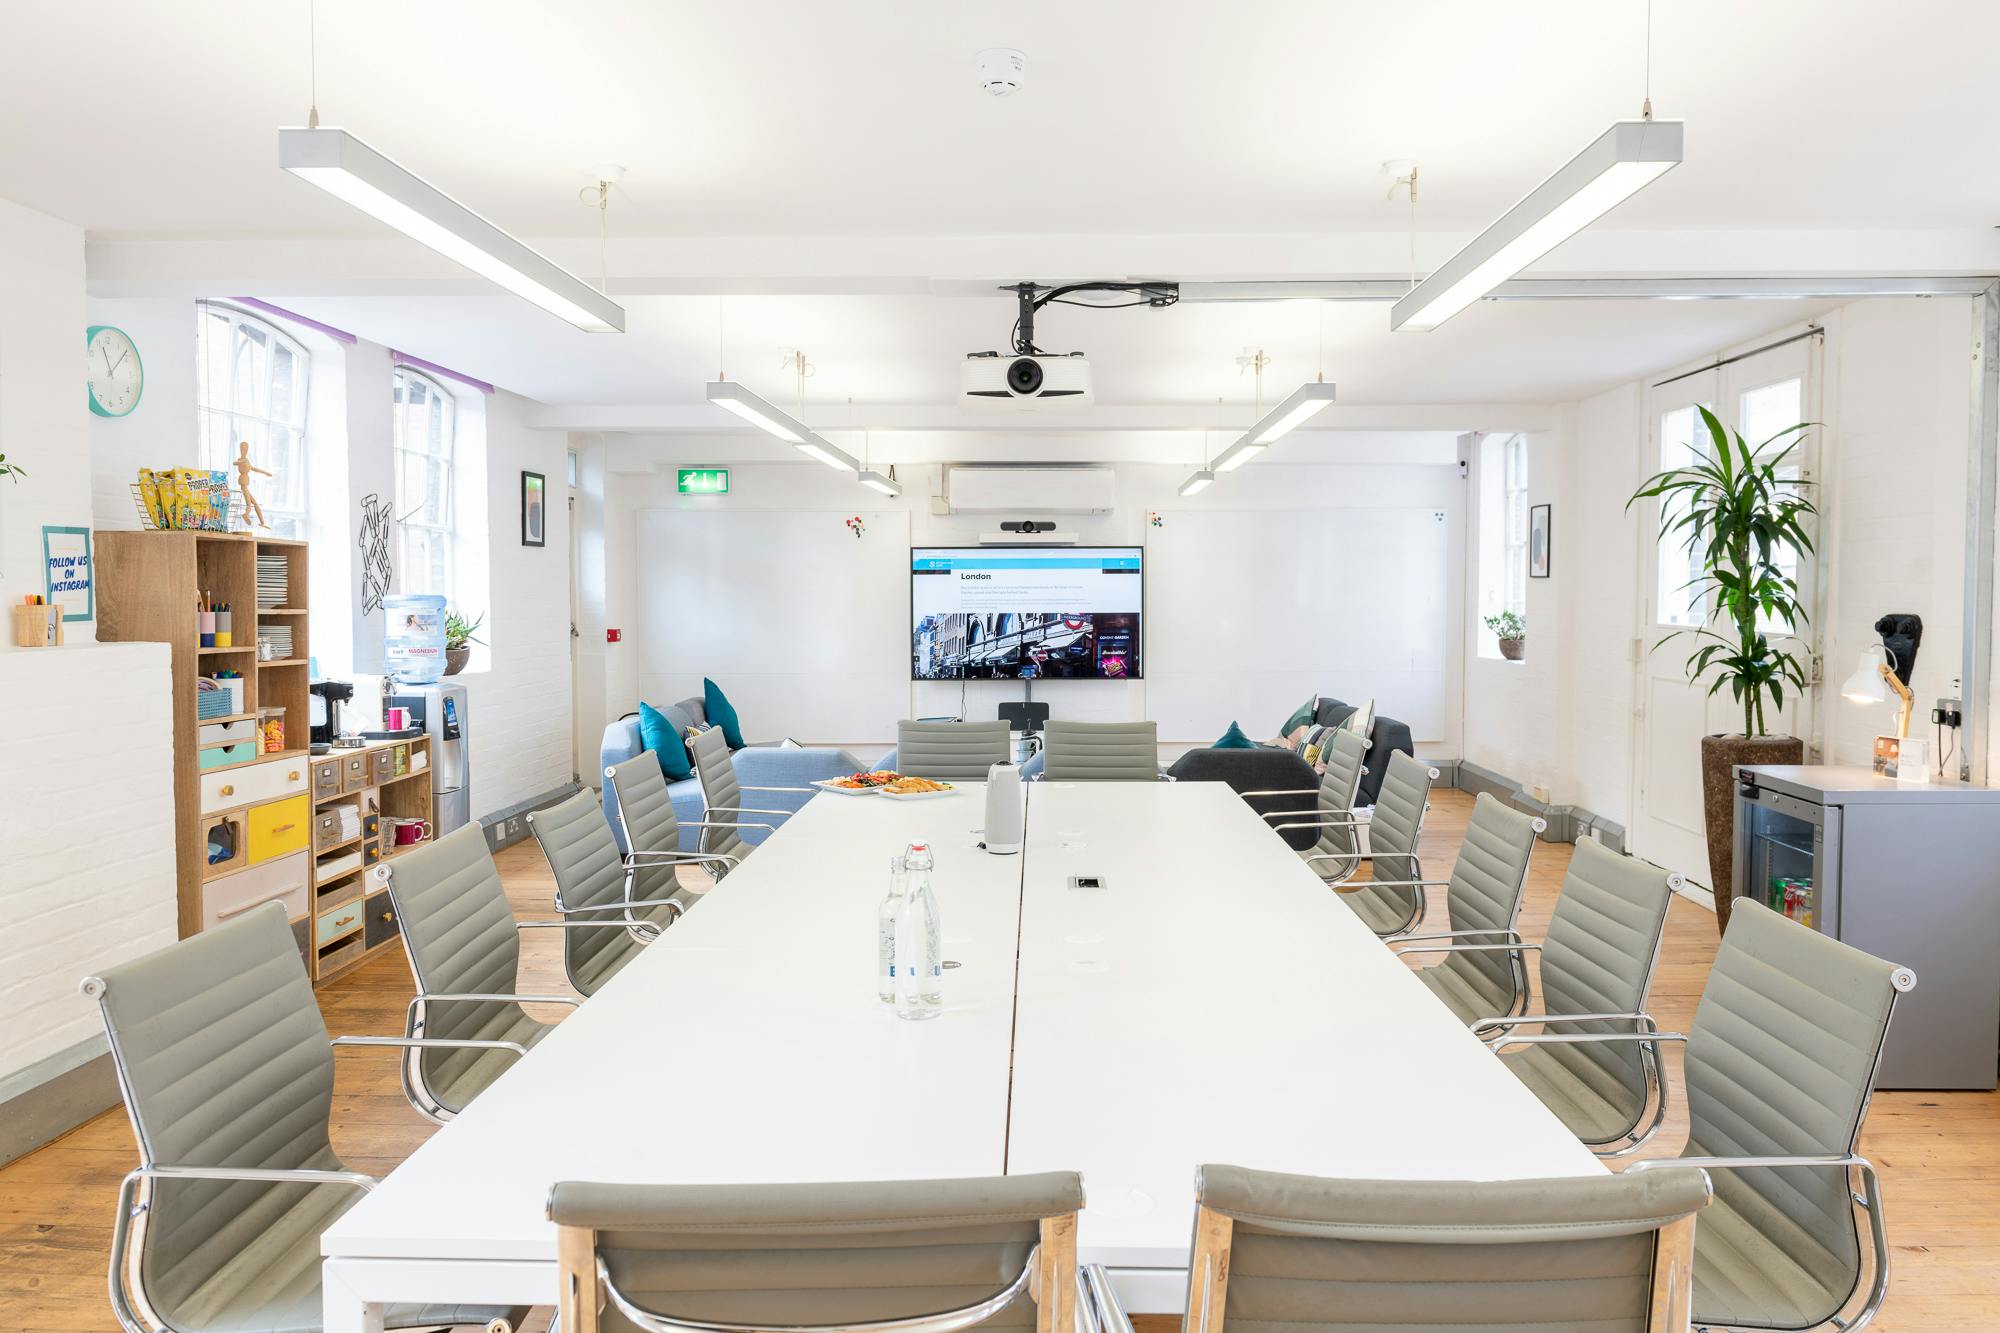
1512, 631
459, 636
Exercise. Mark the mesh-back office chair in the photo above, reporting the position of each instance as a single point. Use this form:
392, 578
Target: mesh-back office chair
652, 831
591, 881
1781, 1062
1484, 972
951, 751
226, 1071
465, 955
1334, 854
1280, 1252
1596, 966
1100, 752
723, 824
930, 1256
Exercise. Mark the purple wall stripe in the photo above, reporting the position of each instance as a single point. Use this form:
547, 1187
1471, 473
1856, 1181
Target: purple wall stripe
434, 368
295, 317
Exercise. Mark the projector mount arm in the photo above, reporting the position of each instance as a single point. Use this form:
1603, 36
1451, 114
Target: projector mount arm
1033, 297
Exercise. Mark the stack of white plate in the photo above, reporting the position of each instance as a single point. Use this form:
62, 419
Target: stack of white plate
274, 580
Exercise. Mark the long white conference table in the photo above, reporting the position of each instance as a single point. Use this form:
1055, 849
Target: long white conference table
1211, 1002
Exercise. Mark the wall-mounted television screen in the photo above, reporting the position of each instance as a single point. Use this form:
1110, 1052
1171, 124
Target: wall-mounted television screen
1027, 612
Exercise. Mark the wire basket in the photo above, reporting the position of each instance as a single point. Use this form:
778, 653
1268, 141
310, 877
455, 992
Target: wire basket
215, 516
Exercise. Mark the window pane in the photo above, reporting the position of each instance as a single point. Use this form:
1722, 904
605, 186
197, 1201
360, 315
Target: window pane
1765, 411
1677, 603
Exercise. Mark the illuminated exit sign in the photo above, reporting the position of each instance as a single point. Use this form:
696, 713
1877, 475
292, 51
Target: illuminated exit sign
704, 481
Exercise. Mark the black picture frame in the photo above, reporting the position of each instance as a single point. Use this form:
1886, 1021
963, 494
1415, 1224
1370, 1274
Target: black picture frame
534, 509
1540, 539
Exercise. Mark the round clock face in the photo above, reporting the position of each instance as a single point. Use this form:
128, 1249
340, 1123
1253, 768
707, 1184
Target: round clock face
113, 370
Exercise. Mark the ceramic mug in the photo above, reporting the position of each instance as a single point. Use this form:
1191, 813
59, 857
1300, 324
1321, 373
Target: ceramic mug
395, 719
409, 832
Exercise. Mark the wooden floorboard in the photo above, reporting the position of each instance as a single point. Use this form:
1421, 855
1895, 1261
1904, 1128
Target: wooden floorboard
1939, 1153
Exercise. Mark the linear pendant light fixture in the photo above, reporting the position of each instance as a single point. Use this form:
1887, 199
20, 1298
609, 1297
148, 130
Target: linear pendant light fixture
780, 424
1622, 161
351, 171
873, 480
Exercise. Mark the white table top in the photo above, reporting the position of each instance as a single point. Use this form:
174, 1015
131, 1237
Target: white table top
745, 1044
1214, 1003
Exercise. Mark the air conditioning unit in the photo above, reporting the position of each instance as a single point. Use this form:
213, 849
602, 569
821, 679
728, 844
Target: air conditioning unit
1021, 490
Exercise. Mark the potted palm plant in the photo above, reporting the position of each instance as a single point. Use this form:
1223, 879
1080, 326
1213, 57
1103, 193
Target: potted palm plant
459, 636
1743, 523
1511, 629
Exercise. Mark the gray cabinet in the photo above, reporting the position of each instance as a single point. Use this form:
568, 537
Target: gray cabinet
1909, 872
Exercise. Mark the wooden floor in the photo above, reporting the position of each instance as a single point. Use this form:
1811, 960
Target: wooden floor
1939, 1153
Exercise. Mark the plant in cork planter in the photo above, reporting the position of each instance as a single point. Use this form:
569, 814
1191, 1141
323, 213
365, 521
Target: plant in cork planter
1743, 523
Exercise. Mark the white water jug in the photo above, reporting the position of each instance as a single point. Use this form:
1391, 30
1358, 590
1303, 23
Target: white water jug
1003, 810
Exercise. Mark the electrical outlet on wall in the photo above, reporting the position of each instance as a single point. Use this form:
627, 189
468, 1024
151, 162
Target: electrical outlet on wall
513, 826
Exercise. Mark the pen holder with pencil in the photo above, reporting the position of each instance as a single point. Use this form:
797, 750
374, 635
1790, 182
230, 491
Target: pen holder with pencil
38, 625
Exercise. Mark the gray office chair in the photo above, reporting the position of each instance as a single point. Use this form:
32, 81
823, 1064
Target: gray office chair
1392, 901
1781, 1062
929, 1256
1334, 853
1484, 972
951, 751
1597, 965
594, 883
1100, 752
722, 828
651, 828
465, 954
1608, 1253
227, 1074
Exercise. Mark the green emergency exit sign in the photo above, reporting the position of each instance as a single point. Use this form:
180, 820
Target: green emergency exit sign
704, 480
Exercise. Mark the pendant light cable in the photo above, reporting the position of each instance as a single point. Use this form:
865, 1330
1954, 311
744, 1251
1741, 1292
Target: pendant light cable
312, 61
1646, 107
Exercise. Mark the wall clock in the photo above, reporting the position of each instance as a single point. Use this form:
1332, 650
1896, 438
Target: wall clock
113, 369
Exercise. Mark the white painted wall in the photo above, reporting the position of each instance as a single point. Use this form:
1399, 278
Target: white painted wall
1892, 472
87, 878
43, 408
620, 475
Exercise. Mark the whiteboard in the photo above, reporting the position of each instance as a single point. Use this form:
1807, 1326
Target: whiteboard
803, 626
1253, 612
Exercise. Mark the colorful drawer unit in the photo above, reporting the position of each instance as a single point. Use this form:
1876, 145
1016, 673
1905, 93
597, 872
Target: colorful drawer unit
282, 880
278, 828
222, 756
253, 784
356, 771
226, 733
339, 921
380, 925
384, 764
325, 778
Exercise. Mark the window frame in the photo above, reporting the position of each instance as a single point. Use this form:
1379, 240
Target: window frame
210, 407
444, 532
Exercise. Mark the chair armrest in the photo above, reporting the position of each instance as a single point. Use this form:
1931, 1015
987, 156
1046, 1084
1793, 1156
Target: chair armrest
1470, 948
1454, 934
1098, 1303
427, 996
1282, 791
1553, 1020
1585, 1038
1356, 885
302, 1175
1750, 1163
634, 859
750, 810
647, 928
744, 786
621, 906
433, 1043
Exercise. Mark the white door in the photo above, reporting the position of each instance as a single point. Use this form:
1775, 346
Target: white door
1759, 397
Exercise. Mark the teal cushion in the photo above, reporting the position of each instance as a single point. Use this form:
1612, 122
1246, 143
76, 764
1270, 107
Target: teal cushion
1300, 718
1234, 739
659, 735
720, 713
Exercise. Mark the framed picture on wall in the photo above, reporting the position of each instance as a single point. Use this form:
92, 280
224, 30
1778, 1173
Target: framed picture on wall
534, 508
67, 578
1538, 542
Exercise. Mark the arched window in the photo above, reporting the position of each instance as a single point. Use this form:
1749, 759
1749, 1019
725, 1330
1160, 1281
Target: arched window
425, 439
251, 388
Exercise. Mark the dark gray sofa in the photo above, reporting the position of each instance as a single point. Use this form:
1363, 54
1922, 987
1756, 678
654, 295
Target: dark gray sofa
1387, 735
1263, 768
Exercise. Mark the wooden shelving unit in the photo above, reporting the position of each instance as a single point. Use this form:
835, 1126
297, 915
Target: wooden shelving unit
382, 782
242, 824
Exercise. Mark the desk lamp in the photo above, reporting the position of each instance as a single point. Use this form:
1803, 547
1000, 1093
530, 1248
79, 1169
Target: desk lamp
1886, 667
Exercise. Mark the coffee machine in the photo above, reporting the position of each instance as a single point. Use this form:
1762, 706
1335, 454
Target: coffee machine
327, 697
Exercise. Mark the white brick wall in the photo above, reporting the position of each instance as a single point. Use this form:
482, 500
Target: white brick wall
87, 861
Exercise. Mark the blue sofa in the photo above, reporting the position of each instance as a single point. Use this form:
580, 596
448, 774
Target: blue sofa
761, 765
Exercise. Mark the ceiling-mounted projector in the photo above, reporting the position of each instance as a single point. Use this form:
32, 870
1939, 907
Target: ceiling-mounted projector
997, 379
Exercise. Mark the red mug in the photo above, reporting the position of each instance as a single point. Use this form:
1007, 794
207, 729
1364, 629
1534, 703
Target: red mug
410, 832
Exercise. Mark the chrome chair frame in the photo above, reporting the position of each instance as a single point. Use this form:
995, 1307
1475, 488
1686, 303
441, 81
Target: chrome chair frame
636, 857
1514, 947
944, 1321
1346, 882
126, 1279
709, 808
1654, 1069
1097, 1301
1869, 1199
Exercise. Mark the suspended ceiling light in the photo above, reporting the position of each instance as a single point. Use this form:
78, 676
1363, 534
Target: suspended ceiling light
351, 171
1198, 481
1622, 161
876, 481
1287, 416
775, 422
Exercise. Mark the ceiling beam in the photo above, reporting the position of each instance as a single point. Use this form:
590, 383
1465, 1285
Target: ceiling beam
885, 421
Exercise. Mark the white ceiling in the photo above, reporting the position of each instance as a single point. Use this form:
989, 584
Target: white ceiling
786, 116
834, 162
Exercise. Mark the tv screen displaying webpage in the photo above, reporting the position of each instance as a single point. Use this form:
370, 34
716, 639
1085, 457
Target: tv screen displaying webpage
1027, 612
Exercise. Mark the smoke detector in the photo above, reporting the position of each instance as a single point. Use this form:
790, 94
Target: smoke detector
1001, 69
